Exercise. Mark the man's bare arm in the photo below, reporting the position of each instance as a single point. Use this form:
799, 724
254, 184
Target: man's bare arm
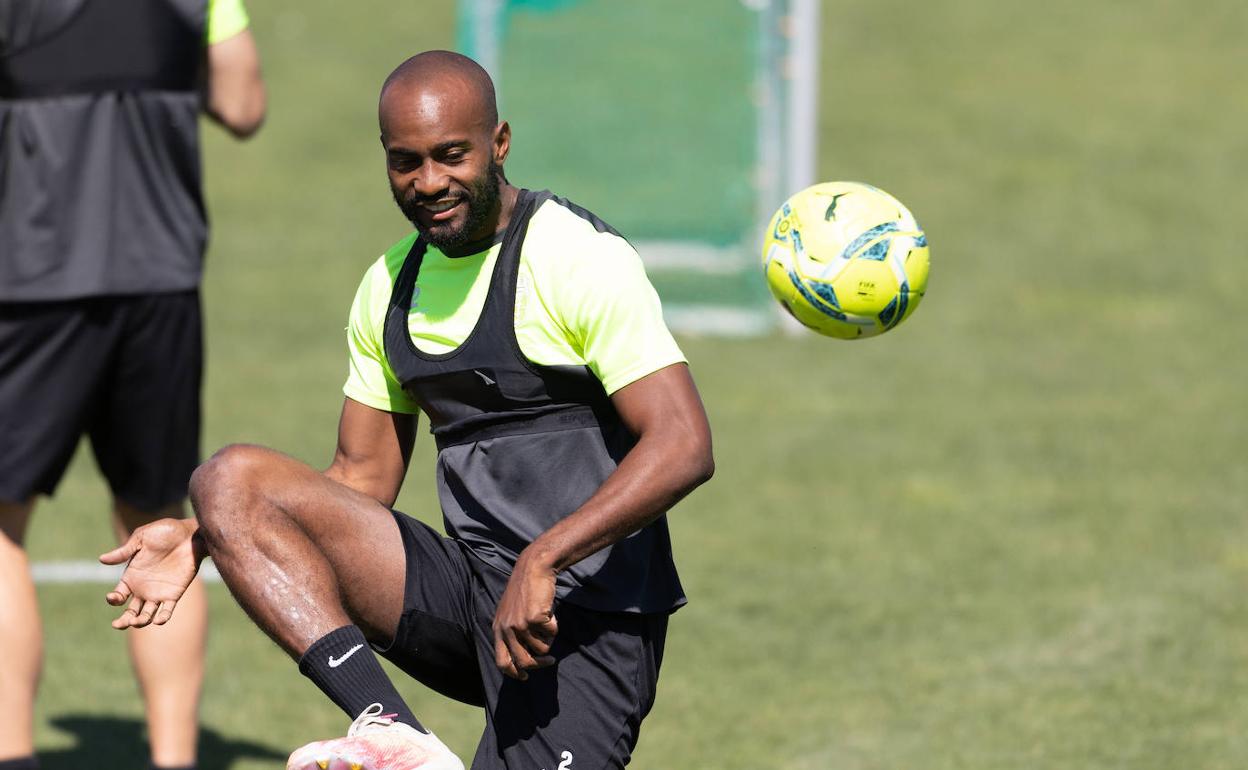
234, 92
671, 458
374, 449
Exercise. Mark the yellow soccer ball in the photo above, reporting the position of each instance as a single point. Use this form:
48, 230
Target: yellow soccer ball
846, 259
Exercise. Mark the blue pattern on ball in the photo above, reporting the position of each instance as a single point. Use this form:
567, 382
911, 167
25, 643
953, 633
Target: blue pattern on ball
902, 300
825, 292
867, 237
814, 301
781, 220
878, 251
886, 315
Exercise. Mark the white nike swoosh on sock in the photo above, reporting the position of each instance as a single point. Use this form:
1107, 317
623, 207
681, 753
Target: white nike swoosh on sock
338, 662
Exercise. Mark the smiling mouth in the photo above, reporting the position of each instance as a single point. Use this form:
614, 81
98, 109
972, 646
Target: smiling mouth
439, 210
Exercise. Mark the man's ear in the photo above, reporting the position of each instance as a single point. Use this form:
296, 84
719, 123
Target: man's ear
502, 142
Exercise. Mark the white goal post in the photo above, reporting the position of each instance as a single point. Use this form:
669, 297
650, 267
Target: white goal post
710, 282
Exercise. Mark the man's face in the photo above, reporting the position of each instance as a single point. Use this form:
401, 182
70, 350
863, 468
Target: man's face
443, 158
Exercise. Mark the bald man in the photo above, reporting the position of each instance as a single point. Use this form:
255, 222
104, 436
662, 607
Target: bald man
566, 422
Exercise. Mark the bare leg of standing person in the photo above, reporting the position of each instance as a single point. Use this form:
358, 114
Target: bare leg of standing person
21, 637
169, 660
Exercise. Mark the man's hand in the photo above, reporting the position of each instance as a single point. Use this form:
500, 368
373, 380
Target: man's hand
163, 562
524, 623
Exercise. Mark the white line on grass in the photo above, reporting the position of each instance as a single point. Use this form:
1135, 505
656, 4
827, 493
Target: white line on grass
693, 256
718, 320
71, 572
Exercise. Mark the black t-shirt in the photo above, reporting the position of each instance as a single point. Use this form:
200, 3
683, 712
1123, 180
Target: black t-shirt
99, 147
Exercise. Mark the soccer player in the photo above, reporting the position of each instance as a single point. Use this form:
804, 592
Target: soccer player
567, 424
102, 232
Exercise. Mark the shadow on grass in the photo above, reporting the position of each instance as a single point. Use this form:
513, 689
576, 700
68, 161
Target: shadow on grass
120, 744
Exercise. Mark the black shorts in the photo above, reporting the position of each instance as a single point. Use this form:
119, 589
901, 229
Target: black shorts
585, 711
124, 370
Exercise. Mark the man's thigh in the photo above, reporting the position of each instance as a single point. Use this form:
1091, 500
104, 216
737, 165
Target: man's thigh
583, 712
53, 356
274, 524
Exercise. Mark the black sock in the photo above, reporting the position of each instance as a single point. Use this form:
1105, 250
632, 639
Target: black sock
20, 763
154, 766
343, 665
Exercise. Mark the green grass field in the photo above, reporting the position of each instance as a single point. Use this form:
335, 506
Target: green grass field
1010, 534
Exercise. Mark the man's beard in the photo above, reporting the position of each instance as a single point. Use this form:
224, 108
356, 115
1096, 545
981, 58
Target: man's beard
480, 197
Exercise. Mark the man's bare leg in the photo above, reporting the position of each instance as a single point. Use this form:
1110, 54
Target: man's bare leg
21, 635
303, 555
317, 565
321, 569
168, 660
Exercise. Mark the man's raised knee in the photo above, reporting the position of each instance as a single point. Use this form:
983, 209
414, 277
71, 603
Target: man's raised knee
226, 480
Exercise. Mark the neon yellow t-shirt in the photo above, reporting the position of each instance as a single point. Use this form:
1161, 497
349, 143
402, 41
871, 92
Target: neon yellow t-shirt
226, 18
582, 299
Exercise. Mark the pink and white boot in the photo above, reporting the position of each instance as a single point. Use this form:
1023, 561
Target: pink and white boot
376, 742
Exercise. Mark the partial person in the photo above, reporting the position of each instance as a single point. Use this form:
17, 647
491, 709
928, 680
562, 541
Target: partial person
102, 233
567, 425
